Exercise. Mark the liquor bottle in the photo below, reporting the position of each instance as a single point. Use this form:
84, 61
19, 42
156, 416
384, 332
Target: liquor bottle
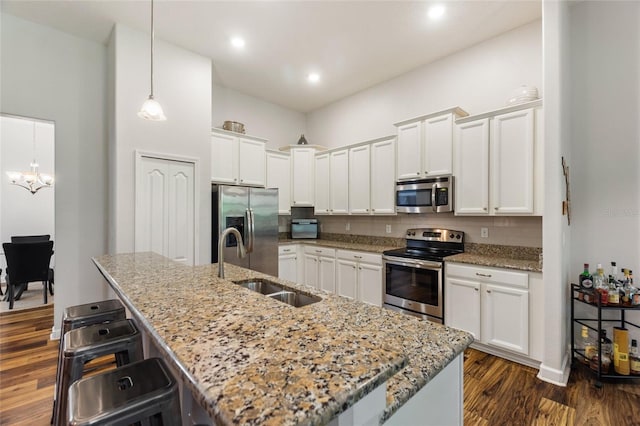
601, 286
634, 358
605, 350
614, 292
588, 344
585, 279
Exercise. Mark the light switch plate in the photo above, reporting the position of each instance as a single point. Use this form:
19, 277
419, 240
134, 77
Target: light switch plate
388, 229
347, 227
484, 232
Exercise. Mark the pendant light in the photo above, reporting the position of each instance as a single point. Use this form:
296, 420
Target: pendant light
32, 180
151, 109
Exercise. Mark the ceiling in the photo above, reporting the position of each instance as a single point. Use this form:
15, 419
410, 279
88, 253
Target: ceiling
353, 45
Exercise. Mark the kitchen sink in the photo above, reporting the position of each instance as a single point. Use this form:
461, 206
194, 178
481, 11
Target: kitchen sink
278, 292
260, 285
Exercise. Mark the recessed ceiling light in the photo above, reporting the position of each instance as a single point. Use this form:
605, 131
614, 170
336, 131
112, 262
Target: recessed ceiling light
436, 12
314, 77
237, 42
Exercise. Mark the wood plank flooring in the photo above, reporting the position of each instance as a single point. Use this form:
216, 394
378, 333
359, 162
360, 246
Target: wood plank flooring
496, 391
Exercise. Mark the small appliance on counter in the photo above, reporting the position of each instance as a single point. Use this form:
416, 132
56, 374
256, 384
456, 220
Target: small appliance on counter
304, 228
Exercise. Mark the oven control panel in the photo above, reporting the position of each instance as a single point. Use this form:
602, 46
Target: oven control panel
431, 234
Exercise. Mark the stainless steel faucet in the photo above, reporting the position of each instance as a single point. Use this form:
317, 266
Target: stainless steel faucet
241, 251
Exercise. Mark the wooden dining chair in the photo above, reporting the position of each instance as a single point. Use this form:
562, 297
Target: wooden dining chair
27, 262
34, 239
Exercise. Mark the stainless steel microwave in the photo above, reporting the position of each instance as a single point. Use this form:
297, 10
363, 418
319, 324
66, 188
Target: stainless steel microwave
429, 195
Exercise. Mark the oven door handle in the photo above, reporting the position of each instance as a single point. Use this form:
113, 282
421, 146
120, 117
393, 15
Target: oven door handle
419, 264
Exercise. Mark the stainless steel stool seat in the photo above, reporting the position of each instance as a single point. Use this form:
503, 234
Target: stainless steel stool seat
91, 313
81, 345
82, 316
136, 392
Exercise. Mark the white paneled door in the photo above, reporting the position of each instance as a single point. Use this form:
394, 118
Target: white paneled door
164, 217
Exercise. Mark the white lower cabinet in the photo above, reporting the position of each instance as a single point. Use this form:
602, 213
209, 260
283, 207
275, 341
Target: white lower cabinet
288, 262
490, 303
359, 276
320, 267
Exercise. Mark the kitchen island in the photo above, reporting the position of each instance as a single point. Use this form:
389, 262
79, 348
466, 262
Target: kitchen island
249, 359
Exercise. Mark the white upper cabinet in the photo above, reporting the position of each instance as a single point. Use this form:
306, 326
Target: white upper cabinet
303, 176
472, 168
236, 159
383, 188
512, 162
437, 155
279, 176
425, 145
498, 162
323, 184
251, 162
224, 158
409, 147
359, 179
339, 178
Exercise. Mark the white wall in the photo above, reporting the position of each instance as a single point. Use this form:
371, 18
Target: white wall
55, 76
477, 79
605, 107
183, 87
605, 137
281, 126
556, 232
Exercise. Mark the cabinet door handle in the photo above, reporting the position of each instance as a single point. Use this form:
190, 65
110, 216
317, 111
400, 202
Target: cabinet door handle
241, 180
495, 208
357, 257
426, 172
483, 275
417, 173
286, 250
318, 251
488, 291
373, 210
484, 208
360, 268
476, 289
294, 202
353, 266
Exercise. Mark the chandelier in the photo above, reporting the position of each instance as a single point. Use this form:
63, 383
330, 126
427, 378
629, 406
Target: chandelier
32, 180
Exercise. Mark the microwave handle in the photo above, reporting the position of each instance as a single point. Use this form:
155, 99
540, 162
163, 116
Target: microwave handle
433, 197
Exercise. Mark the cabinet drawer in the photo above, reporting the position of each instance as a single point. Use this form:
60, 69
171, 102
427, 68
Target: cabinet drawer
489, 275
320, 251
358, 256
287, 249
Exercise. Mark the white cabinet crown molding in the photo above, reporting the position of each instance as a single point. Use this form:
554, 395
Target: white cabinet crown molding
237, 135
453, 110
507, 109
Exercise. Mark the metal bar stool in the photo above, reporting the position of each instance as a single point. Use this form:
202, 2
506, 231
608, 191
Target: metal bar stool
138, 392
81, 345
82, 316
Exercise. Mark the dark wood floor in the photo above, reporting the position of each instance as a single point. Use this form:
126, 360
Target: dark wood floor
497, 392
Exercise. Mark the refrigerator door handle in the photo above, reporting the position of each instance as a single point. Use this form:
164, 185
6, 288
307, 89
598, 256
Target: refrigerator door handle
251, 233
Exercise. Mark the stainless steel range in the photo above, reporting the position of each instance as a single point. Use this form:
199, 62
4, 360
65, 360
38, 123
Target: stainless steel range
414, 275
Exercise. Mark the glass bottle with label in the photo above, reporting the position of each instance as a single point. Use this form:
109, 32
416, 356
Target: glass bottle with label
602, 286
634, 359
605, 349
588, 345
585, 279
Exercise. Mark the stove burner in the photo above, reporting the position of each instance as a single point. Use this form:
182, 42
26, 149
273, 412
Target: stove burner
421, 244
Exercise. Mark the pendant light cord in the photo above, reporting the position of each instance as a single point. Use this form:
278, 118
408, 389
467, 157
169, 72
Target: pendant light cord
152, 37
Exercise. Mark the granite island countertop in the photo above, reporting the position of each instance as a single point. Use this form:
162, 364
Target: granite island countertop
249, 359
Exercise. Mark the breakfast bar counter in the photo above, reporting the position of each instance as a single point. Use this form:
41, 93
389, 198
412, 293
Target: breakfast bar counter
250, 359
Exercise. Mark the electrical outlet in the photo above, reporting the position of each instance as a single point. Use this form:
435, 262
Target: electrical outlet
347, 227
484, 232
388, 229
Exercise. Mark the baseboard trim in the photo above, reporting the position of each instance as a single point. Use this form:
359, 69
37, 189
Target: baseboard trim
55, 333
520, 359
555, 376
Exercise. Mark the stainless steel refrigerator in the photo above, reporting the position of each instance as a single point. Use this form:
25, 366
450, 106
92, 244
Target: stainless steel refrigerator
253, 212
